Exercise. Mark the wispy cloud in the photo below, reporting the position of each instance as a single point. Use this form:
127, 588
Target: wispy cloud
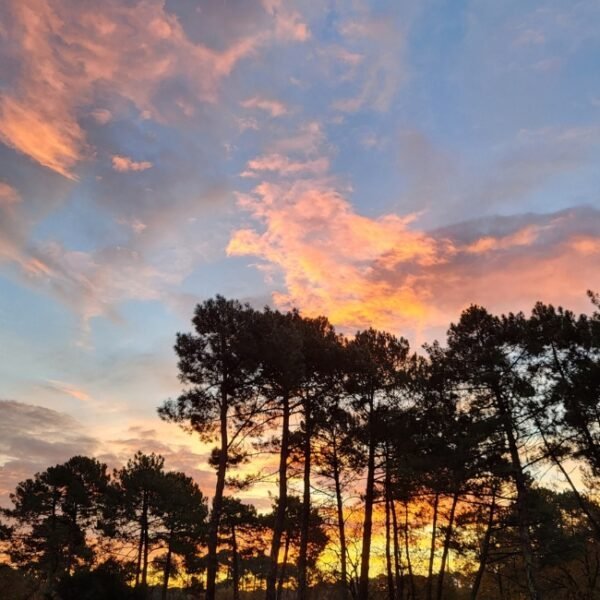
69, 389
274, 107
124, 164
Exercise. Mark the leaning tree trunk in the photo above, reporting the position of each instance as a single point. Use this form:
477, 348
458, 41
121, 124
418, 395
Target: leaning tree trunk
522, 493
363, 585
485, 548
279, 525
217, 505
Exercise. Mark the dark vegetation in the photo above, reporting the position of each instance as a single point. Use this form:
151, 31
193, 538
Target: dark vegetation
466, 471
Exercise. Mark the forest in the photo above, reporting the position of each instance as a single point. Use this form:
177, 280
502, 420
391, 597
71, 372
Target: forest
462, 470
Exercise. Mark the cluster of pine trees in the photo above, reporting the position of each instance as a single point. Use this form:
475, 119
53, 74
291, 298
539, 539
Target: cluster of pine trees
466, 470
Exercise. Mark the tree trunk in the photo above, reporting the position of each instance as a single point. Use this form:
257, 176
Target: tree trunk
485, 548
397, 556
305, 519
235, 567
388, 553
279, 524
143, 519
215, 517
388, 537
522, 492
145, 562
283, 569
411, 577
167, 571
341, 525
432, 547
363, 586
447, 540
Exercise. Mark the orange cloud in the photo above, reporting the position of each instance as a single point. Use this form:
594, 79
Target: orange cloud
124, 164
523, 237
323, 257
327, 253
65, 52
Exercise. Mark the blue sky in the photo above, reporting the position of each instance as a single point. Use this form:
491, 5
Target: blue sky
383, 163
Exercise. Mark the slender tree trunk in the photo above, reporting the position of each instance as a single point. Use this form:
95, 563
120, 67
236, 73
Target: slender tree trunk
138, 567
436, 502
53, 562
145, 562
388, 549
305, 520
485, 548
167, 571
281, 504
522, 493
283, 569
397, 554
235, 566
447, 540
411, 577
341, 525
217, 505
363, 586
388, 534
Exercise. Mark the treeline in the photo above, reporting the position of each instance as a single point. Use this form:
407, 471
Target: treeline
466, 470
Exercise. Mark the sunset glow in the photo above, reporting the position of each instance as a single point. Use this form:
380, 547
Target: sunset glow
383, 164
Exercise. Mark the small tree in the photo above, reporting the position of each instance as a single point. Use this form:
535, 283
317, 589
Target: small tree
53, 514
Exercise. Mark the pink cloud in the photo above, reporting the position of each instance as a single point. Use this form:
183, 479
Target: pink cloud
8, 195
324, 258
124, 164
288, 23
274, 107
66, 51
283, 166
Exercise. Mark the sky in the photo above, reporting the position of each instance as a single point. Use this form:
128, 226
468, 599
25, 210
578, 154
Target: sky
382, 163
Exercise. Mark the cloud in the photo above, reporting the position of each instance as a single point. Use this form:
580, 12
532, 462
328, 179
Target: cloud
33, 438
122, 164
283, 166
101, 115
320, 255
288, 22
274, 107
326, 253
8, 195
375, 50
69, 389
61, 56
